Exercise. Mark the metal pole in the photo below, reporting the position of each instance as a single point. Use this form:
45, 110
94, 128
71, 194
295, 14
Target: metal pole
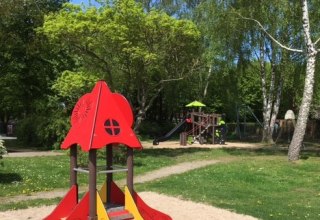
238, 122
214, 119
109, 151
73, 165
130, 169
92, 184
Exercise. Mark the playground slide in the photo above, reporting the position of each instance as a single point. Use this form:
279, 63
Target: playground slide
66, 206
170, 133
133, 206
147, 212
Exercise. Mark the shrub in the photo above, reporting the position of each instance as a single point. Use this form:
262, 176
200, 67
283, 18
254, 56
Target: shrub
155, 129
3, 150
42, 132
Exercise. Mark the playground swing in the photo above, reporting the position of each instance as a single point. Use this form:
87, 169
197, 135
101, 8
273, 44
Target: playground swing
245, 110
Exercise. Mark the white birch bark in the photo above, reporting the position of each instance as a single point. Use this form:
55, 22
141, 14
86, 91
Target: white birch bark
205, 91
311, 53
265, 96
298, 135
276, 106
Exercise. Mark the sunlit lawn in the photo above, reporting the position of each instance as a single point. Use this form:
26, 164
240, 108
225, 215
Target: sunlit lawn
260, 183
267, 187
34, 174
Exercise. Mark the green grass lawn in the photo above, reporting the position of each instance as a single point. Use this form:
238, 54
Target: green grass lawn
34, 174
267, 187
261, 183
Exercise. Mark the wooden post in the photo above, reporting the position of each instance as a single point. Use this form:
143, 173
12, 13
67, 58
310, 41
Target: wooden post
200, 127
193, 123
73, 164
109, 157
130, 169
183, 138
92, 184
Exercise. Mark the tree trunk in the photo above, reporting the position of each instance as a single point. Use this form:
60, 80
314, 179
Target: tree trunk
273, 101
205, 91
143, 106
276, 107
266, 95
141, 109
299, 132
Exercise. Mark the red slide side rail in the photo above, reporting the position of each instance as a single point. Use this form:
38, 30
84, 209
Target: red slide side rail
147, 212
66, 206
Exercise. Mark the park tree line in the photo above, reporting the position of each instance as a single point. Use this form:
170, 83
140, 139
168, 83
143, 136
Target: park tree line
160, 55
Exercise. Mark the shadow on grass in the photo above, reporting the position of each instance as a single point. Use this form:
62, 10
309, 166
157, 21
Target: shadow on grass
166, 152
263, 151
267, 151
8, 178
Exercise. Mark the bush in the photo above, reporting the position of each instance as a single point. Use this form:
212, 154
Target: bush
3, 150
42, 131
155, 129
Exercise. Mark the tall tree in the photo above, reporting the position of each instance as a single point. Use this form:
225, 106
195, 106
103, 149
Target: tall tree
138, 53
24, 71
310, 52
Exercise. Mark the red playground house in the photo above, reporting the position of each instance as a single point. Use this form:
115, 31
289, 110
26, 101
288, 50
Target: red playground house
102, 119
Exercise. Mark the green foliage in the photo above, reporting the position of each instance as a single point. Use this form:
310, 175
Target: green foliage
3, 150
70, 86
38, 131
25, 57
131, 49
153, 129
49, 130
28, 65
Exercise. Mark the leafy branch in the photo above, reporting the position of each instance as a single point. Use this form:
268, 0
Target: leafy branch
268, 34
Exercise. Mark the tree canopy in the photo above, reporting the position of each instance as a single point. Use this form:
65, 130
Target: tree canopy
160, 54
137, 53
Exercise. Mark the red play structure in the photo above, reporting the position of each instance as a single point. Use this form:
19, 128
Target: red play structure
102, 119
202, 127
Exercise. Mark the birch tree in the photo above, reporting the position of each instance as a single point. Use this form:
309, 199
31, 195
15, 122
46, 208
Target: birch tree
309, 51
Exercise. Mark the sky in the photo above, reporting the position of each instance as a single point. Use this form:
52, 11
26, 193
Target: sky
86, 2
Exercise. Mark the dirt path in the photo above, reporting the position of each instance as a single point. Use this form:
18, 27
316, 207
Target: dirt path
33, 154
168, 171
175, 144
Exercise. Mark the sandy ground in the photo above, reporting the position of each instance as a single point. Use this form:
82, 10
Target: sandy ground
33, 154
178, 209
175, 144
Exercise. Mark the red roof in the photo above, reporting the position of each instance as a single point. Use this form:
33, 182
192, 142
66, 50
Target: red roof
100, 118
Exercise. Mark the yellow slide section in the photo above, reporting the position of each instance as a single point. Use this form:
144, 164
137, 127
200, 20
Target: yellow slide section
103, 192
101, 211
130, 205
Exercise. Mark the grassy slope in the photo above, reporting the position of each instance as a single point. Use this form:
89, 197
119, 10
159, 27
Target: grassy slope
259, 183
267, 187
34, 174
